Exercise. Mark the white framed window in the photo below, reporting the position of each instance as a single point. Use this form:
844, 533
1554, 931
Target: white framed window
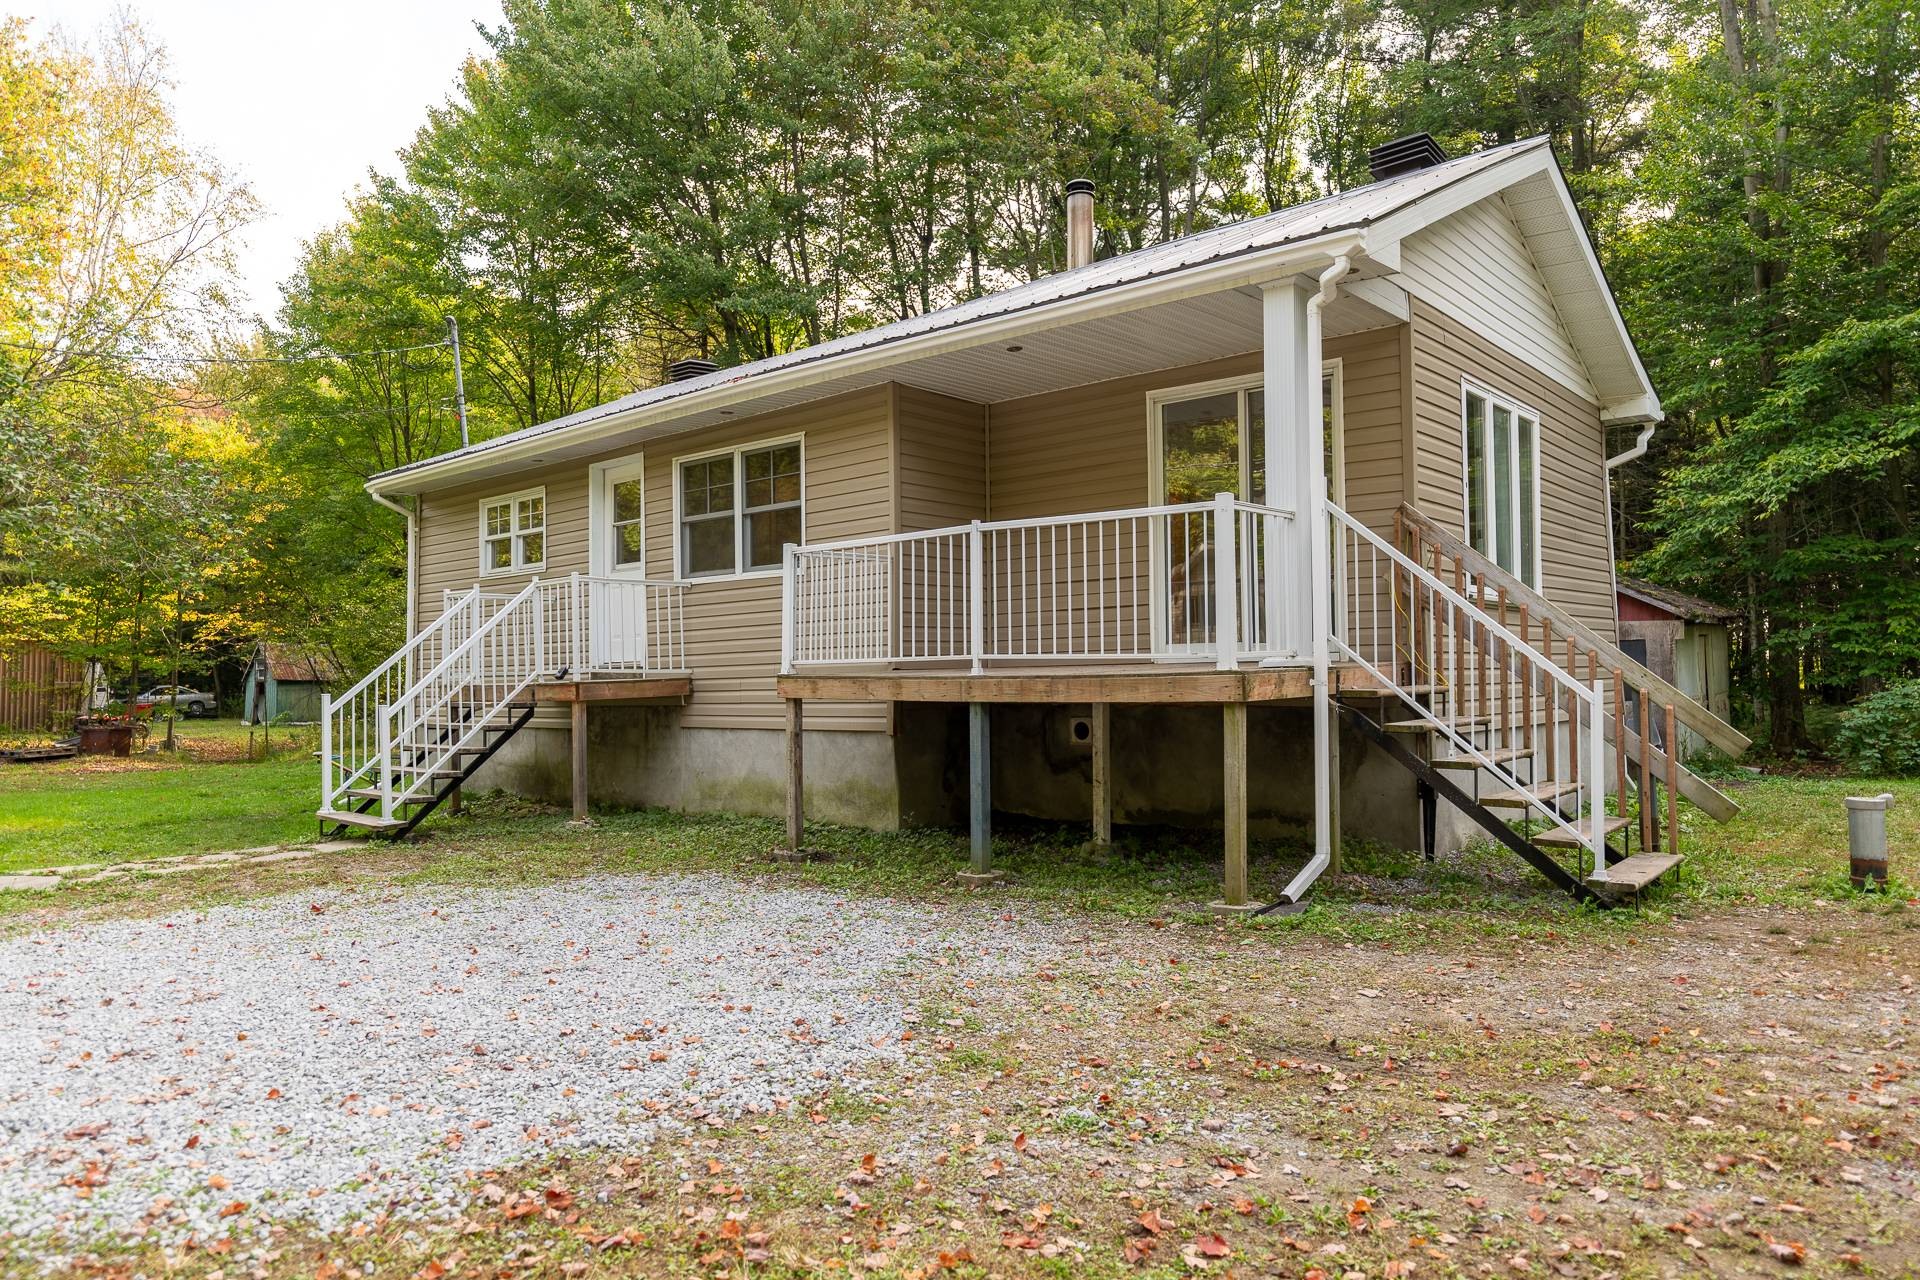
1211, 438
513, 532
736, 509
617, 512
1501, 451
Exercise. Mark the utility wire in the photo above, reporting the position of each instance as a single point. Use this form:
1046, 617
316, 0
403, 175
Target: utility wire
145, 359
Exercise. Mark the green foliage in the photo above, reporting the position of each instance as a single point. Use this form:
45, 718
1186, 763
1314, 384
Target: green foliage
1880, 736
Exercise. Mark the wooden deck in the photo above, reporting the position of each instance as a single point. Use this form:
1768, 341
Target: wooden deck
615, 690
1078, 683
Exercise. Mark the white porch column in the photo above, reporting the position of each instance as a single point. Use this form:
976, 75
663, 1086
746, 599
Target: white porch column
1292, 448
1297, 479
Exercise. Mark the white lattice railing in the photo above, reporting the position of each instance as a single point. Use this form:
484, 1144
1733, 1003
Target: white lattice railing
1498, 700
1203, 581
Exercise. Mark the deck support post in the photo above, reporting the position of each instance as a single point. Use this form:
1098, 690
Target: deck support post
979, 797
1100, 725
794, 850
579, 745
1234, 879
1336, 863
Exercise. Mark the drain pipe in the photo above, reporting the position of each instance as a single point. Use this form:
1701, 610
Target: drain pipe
1320, 568
1638, 450
413, 544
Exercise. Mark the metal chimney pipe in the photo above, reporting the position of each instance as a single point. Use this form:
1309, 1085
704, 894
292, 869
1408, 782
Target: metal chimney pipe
1079, 222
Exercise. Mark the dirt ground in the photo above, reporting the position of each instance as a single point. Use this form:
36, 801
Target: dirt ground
1727, 1095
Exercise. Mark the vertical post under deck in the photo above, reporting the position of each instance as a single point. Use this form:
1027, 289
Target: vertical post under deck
1100, 721
1234, 877
796, 775
979, 798
578, 708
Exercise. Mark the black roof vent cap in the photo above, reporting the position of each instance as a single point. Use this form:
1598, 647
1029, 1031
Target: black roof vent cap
692, 367
1410, 154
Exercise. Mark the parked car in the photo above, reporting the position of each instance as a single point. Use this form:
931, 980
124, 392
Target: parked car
188, 702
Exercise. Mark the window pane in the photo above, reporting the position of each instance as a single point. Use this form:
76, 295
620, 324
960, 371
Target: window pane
768, 532
532, 513
1477, 473
693, 489
1503, 525
626, 543
626, 500
786, 488
759, 465
499, 553
707, 545
499, 518
533, 548
1528, 487
720, 484
759, 492
1201, 444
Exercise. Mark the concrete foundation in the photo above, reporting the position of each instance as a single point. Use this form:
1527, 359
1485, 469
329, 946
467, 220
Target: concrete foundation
1167, 769
640, 756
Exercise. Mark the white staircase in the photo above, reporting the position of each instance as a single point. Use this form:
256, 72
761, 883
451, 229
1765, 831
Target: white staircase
1523, 732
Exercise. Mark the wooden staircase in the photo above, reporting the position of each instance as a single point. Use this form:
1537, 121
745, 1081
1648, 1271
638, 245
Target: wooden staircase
1512, 705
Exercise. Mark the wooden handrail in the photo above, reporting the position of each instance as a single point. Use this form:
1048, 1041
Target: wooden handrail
1689, 712
1528, 604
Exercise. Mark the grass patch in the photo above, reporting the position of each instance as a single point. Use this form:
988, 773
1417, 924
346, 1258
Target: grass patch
203, 797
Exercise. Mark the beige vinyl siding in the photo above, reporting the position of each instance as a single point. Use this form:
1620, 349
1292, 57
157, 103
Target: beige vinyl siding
1476, 267
1087, 449
732, 626
941, 460
1576, 572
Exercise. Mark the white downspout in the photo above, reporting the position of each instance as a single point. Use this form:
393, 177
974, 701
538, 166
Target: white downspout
1320, 569
413, 554
1638, 450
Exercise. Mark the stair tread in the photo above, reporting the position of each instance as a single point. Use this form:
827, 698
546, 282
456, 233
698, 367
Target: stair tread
371, 821
1502, 755
1558, 839
1637, 872
1426, 726
1522, 797
373, 793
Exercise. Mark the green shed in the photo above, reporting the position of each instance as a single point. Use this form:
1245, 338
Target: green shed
286, 680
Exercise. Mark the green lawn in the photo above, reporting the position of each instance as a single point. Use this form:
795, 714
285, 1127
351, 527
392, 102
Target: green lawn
204, 797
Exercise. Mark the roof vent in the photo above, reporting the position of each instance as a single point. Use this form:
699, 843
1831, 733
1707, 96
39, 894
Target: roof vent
1410, 154
681, 370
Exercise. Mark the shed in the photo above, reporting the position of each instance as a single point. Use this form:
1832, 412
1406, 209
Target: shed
38, 688
286, 680
1684, 639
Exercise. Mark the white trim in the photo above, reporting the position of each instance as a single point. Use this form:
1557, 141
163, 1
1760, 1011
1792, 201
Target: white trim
514, 532
739, 507
601, 477
1333, 369
1516, 409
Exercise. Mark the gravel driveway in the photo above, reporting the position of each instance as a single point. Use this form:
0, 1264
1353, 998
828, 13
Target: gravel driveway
319, 1058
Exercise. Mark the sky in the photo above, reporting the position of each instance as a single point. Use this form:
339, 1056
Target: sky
299, 99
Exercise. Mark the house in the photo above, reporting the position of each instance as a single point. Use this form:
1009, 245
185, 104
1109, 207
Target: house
285, 680
1683, 638
1296, 523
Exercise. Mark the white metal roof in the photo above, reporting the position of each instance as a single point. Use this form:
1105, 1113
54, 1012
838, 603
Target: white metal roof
834, 366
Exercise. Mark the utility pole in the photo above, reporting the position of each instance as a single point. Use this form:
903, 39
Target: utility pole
459, 384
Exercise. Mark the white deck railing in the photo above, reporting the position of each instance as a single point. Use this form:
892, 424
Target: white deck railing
1497, 700
1198, 582
404, 721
